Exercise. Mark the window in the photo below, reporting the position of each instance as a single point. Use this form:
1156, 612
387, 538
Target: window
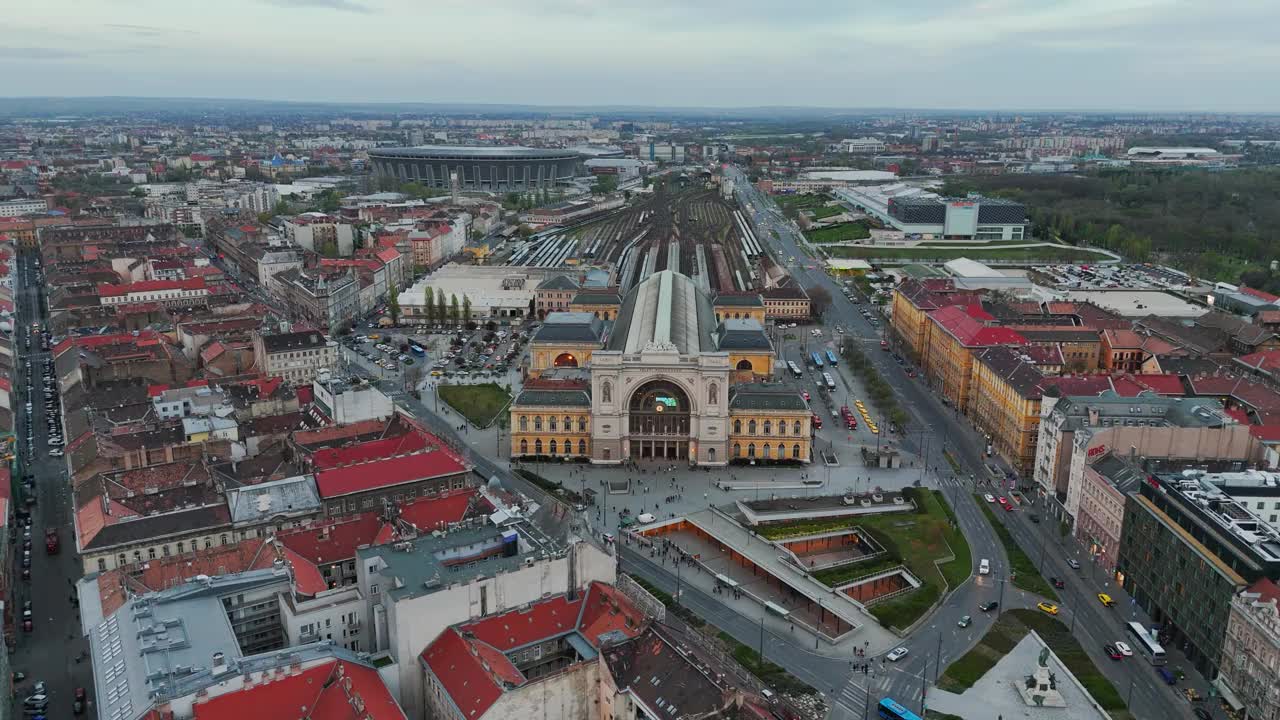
537, 446
524, 446
568, 423
751, 427
737, 450
796, 428
782, 451
782, 427
179, 547
373, 589
121, 560
582, 447
102, 564
795, 451
768, 427
737, 426
551, 424
767, 448
751, 450
151, 552
524, 423
553, 447
582, 423
537, 423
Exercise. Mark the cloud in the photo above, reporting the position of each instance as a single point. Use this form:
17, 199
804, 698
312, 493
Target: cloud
343, 5
39, 53
149, 30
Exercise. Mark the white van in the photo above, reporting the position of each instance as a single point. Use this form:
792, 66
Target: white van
645, 518
984, 567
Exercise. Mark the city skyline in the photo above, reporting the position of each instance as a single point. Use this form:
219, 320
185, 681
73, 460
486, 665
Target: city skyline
1082, 55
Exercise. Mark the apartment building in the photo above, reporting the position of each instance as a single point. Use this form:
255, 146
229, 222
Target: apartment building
297, 357
1251, 654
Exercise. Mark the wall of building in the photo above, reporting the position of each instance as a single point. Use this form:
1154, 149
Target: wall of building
1251, 656
1100, 519
762, 430
414, 623
567, 695
337, 615
545, 425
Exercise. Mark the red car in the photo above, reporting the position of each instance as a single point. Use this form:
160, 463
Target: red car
806, 394
1112, 652
1008, 508
884, 344
1002, 501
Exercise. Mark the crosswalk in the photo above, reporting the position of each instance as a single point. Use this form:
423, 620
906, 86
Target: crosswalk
863, 691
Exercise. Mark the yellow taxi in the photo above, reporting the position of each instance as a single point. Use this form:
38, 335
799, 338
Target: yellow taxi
1106, 600
1048, 607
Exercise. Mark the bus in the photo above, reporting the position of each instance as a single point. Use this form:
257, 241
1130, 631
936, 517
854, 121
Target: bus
828, 381
417, 349
1146, 644
891, 709
831, 358
794, 368
816, 358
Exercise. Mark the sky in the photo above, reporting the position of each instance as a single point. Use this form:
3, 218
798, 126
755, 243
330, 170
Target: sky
1152, 55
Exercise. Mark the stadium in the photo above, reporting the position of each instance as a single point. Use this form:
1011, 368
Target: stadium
498, 169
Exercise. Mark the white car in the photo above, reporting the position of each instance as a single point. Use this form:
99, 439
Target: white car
1123, 648
984, 567
645, 518
989, 498
896, 654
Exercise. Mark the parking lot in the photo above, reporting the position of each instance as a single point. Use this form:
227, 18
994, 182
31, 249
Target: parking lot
440, 353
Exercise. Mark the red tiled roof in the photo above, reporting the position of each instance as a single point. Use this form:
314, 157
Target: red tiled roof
1237, 414
1261, 295
333, 541
1266, 433
975, 311
1166, 384
110, 290
387, 472
323, 692
970, 332
1269, 591
429, 513
470, 662
1267, 361
329, 458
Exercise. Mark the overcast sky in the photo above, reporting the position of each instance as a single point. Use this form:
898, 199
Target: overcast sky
1211, 55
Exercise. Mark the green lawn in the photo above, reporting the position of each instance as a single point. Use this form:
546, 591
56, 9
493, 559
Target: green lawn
825, 211
843, 574
844, 232
800, 202
480, 404
1026, 575
915, 540
1007, 632
1029, 255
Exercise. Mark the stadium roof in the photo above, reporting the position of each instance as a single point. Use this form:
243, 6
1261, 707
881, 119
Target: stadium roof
498, 152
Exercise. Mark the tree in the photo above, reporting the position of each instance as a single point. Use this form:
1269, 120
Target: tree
138, 192
282, 208
524, 231
393, 305
428, 296
440, 308
605, 184
330, 200
453, 308
819, 300
466, 308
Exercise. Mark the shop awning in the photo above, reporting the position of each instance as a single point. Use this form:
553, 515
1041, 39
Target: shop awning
1227, 694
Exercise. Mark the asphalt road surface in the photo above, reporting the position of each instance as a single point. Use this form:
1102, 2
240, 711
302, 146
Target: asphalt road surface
52, 650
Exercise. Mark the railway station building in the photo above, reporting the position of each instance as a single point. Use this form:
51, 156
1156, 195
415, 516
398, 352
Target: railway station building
664, 380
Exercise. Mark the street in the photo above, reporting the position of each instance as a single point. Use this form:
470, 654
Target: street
950, 432
51, 652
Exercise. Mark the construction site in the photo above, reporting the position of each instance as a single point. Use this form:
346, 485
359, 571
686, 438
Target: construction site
684, 226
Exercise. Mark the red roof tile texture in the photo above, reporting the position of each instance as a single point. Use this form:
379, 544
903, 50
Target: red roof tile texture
387, 472
324, 692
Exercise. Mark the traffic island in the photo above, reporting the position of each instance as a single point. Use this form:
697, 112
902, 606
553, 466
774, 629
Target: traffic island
1025, 574
991, 675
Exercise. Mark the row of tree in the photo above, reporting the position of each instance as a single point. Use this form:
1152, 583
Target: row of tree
1214, 225
436, 309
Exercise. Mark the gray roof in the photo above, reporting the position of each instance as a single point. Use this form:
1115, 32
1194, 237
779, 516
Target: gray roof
161, 525
558, 282
574, 327
304, 340
261, 502
161, 645
553, 398
420, 569
740, 300
1146, 405
597, 298
665, 312
759, 396
742, 334
473, 152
